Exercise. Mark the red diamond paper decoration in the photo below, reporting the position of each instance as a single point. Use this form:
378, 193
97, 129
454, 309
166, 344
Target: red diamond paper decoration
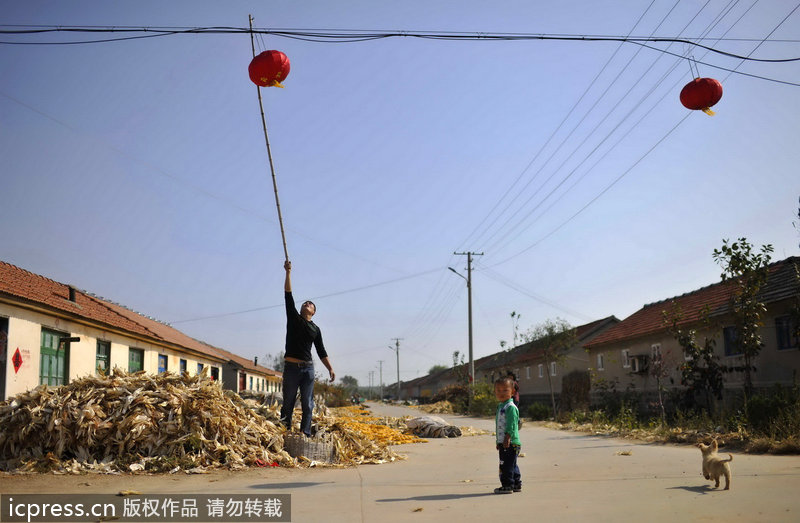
17, 360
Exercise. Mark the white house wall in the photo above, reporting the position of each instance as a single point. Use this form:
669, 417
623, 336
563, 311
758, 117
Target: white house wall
24, 333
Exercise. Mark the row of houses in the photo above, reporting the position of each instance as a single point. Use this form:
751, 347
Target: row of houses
620, 351
52, 333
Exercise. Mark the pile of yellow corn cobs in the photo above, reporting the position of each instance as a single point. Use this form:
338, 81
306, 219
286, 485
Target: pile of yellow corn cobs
384, 431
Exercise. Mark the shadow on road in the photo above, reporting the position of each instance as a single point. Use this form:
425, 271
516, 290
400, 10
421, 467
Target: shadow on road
704, 489
297, 484
437, 497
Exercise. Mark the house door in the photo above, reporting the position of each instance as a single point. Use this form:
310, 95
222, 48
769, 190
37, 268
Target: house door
242, 381
53, 364
3, 356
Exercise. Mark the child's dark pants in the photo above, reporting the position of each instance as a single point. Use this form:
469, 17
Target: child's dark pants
509, 471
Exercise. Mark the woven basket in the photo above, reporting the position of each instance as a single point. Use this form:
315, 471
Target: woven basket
315, 450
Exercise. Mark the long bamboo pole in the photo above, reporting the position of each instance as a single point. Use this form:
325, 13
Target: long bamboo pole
269, 150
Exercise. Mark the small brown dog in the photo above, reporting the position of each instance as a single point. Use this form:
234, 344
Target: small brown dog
714, 466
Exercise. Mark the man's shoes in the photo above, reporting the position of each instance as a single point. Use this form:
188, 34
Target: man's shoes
503, 490
517, 488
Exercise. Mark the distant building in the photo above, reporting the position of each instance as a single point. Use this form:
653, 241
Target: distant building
240, 374
526, 361
51, 333
623, 353
534, 372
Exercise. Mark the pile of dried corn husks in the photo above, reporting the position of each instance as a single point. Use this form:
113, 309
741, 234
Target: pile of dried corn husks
165, 422
125, 422
440, 407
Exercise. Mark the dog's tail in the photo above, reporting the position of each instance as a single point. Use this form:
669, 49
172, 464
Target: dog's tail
730, 458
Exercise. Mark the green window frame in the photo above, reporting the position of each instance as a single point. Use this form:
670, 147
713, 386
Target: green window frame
135, 359
53, 359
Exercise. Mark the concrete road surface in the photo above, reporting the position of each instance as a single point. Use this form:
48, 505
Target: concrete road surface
566, 477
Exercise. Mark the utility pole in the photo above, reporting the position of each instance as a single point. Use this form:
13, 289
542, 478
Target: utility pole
469, 256
381, 379
396, 349
369, 390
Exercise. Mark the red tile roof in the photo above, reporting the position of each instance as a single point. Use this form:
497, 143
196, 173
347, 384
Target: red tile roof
247, 363
781, 284
529, 352
24, 287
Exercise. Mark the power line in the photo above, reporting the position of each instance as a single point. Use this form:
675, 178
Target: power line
493, 246
332, 36
547, 142
491, 273
348, 291
643, 156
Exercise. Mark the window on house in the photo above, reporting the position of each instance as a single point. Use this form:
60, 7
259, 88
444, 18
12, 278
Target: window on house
730, 337
552, 368
600, 362
251, 383
162, 363
182, 366
541, 370
135, 359
626, 358
215, 373
54, 358
200, 368
655, 351
103, 358
527, 373
785, 334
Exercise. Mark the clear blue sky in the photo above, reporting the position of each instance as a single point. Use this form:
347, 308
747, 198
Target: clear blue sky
137, 170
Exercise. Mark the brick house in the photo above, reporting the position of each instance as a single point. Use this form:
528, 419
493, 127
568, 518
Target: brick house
622, 353
528, 363
51, 333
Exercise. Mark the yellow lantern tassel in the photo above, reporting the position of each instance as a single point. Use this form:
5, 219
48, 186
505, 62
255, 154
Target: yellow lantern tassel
706, 110
276, 83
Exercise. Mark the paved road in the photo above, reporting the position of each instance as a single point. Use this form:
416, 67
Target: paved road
567, 477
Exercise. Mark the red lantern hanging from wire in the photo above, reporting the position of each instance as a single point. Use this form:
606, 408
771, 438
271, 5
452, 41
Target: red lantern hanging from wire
269, 68
701, 94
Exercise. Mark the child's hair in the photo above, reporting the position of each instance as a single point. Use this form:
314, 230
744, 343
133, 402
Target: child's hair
505, 380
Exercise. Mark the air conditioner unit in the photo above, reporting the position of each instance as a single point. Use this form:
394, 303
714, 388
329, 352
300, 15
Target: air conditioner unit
639, 364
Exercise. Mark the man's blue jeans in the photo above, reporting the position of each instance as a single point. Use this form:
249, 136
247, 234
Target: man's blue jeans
298, 377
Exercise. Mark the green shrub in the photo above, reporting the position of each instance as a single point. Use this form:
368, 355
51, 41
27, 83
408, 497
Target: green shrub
484, 402
775, 413
626, 417
538, 411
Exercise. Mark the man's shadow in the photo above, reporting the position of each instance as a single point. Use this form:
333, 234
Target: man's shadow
437, 497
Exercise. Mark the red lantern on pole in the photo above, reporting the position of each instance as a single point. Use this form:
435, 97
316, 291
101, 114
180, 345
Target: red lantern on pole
269, 68
701, 94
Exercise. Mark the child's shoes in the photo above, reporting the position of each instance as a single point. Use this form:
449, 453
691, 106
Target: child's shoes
504, 490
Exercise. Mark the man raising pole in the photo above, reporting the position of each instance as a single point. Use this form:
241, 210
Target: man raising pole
298, 371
